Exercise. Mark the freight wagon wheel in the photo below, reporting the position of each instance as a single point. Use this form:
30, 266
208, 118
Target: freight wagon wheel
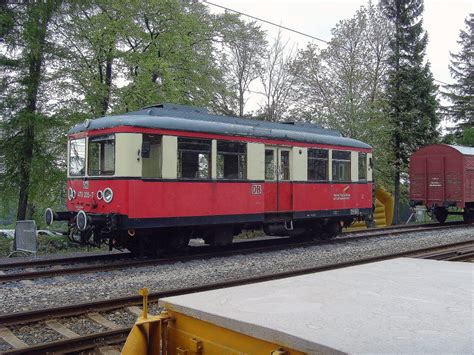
441, 214
468, 215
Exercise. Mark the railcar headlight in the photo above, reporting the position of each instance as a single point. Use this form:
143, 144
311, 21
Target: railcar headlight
81, 221
99, 195
108, 194
71, 194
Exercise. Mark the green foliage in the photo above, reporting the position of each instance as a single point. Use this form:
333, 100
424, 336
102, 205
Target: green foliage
467, 137
22, 124
243, 49
461, 94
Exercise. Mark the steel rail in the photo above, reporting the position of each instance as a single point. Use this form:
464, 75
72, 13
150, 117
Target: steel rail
266, 245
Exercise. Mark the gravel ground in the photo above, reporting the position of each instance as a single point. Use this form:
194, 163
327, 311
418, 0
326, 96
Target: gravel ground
4, 346
16, 296
82, 325
36, 333
120, 317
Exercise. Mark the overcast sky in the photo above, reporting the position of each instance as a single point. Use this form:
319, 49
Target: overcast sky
442, 19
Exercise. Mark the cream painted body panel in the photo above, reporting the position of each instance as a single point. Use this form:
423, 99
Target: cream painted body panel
214, 159
330, 164
169, 146
354, 166
127, 158
369, 169
255, 161
300, 164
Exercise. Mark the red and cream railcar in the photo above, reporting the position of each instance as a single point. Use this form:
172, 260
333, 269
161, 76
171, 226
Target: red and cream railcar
157, 177
442, 176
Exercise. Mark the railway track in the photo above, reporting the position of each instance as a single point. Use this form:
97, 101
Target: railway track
9, 272
25, 262
116, 334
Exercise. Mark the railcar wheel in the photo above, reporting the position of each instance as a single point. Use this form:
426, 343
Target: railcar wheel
177, 241
441, 214
219, 236
331, 230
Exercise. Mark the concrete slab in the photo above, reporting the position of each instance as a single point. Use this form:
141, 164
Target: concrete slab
396, 306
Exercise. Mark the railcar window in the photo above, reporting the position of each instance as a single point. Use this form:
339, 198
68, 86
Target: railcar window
284, 165
318, 165
101, 155
194, 158
341, 165
151, 156
362, 166
269, 164
231, 160
77, 157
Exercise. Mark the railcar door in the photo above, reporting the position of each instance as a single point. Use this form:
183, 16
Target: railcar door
435, 179
278, 189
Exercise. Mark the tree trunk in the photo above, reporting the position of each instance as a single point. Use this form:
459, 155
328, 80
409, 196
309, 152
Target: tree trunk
108, 84
396, 182
39, 15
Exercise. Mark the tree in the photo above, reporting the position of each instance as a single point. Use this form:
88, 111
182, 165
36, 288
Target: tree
278, 80
461, 94
87, 34
343, 86
168, 53
243, 50
24, 31
410, 92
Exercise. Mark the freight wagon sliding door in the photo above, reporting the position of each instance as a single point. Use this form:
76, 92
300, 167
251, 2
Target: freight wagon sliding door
278, 189
435, 175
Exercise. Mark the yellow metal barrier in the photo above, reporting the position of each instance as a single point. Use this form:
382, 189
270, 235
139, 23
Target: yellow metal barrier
383, 214
149, 334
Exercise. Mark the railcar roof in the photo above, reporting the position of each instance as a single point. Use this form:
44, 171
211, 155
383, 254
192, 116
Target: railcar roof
192, 119
463, 150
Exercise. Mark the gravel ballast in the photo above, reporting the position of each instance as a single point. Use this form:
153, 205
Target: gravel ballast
46, 293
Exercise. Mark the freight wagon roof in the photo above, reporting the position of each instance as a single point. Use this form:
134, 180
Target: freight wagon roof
463, 150
447, 148
192, 119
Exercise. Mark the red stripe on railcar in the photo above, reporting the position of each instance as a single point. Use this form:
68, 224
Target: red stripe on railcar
160, 199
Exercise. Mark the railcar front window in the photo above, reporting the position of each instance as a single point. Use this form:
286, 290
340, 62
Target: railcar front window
194, 158
341, 165
101, 155
231, 160
77, 157
318, 165
362, 166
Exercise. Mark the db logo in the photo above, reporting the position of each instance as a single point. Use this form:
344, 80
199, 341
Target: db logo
256, 189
